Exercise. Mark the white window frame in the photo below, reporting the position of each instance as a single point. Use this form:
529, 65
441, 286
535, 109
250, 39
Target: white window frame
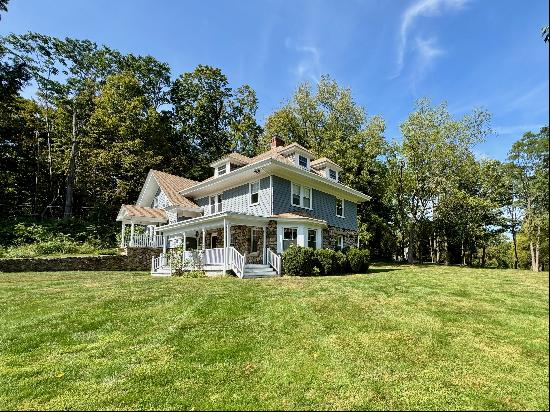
217, 200
343, 207
294, 228
335, 178
341, 242
250, 193
302, 187
308, 229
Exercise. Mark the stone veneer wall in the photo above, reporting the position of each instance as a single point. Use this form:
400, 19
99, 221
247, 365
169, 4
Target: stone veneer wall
241, 239
129, 259
330, 237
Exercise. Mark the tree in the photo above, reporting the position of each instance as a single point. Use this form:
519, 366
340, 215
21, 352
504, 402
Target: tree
436, 155
545, 34
211, 119
3, 6
530, 157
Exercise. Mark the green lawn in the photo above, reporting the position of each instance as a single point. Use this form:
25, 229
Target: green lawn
400, 337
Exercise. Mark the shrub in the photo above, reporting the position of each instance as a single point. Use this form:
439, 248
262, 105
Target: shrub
326, 260
341, 262
299, 261
358, 259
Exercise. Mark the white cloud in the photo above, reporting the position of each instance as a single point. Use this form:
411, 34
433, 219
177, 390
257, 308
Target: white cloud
308, 66
422, 8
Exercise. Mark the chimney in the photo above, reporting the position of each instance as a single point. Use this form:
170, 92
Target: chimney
276, 141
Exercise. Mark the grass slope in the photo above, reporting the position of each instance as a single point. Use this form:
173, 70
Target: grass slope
401, 337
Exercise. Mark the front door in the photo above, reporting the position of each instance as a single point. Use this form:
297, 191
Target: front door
214, 241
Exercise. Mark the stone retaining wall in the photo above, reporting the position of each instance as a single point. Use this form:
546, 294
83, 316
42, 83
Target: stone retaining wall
130, 259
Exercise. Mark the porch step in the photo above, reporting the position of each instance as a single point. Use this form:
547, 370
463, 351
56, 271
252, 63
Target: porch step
162, 271
258, 271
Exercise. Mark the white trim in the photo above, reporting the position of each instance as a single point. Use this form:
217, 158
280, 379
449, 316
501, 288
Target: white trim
276, 167
301, 194
250, 193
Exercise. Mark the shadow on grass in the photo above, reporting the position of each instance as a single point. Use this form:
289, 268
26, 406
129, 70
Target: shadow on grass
381, 270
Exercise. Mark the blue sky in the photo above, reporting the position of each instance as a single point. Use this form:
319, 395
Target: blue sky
470, 53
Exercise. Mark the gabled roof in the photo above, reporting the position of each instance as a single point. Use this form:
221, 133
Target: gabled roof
237, 158
127, 212
171, 185
323, 161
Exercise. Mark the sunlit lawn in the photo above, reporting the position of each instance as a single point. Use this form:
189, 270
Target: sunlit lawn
399, 337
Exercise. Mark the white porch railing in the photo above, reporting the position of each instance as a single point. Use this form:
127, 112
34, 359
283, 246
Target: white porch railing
214, 257
160, 262
274, 260
236, 261
143, 240
195, 259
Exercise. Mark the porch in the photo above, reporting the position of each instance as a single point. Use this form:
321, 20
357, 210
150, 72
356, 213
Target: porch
240, 243
139, 226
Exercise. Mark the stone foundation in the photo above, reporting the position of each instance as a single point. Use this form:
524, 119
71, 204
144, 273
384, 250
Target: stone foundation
129, 259
330, 237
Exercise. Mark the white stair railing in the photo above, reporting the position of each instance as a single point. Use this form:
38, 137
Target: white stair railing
274, 260
236, 261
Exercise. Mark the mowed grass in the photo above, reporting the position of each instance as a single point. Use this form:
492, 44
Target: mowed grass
399, 337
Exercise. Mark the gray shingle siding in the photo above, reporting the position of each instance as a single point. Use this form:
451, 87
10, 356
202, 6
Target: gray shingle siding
237, 199
324, 205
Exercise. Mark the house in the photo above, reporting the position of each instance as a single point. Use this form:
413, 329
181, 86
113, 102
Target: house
245, 215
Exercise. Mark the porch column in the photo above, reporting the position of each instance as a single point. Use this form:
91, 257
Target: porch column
164, 243
203, 239
123, 233
184, 248
132, 234
224, 246
264, 248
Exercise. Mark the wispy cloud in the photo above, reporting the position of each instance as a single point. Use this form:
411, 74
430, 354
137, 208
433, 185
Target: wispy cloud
517, 129
308, 66
422, 8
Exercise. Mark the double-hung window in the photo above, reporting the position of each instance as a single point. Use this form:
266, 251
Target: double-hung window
290, 236
301, 196
254, 192
339, 207
215, 204
302, 161
332, 174
222, 170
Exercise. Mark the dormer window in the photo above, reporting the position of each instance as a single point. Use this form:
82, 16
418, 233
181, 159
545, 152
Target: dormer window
303, 161
332, 174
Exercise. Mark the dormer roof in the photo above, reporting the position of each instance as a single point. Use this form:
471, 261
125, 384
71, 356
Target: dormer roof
324, 162
235, 158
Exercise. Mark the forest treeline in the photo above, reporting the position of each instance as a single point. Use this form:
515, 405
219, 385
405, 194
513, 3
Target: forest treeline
81, 124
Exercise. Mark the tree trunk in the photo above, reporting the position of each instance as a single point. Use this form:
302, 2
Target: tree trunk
537, 250
68, 213
410, 255
483, 255
515, 248
462, 254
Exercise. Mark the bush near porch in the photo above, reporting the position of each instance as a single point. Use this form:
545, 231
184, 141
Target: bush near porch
303, 261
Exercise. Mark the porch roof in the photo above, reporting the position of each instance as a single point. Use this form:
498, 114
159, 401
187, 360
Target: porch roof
217, 220
141, 215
